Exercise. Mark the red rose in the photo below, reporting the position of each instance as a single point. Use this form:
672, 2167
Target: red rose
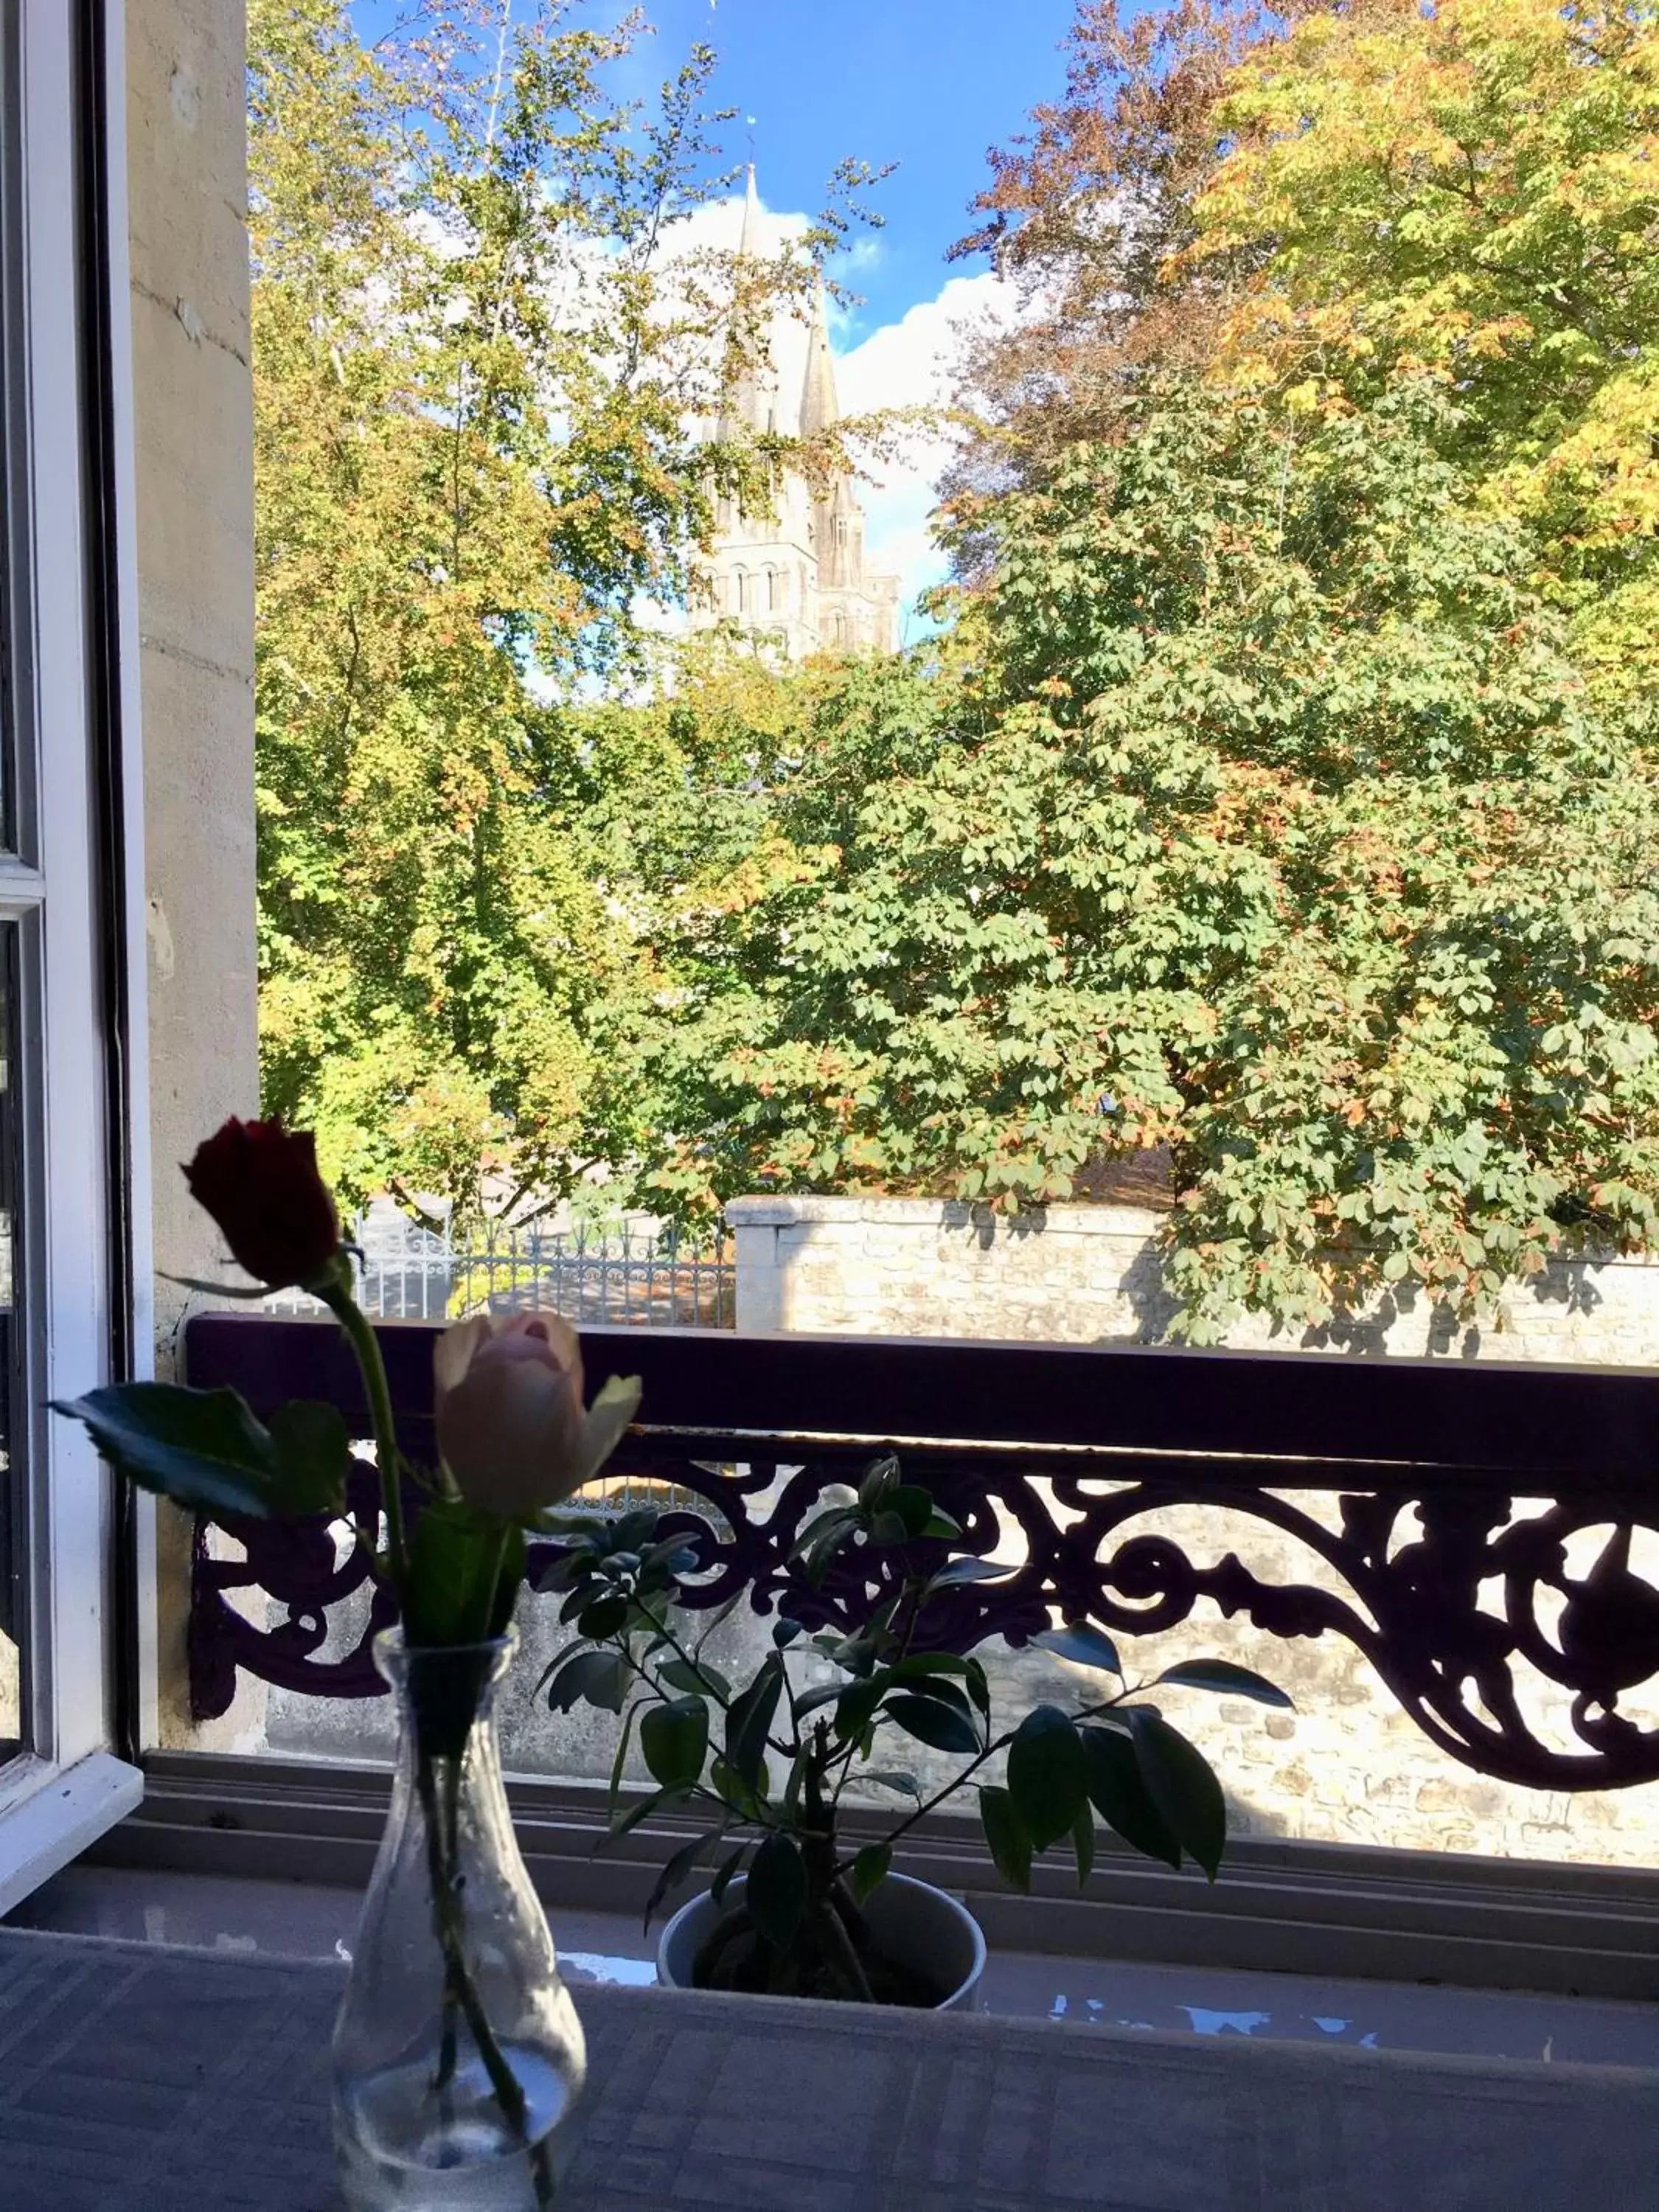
259, 1182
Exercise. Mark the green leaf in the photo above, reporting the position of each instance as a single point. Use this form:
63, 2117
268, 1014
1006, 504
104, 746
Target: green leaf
934, 1685
913, 1506
726, 1872
821, 1693
205, 1449
457, 1558
869, 1869
886, 1777
603, 1617
749, 1719
775, 1891
674, 1873
1083, 1844
313, 1454
1083, 1643
1181, 1784
856, 1703
1120, 1797
1010, 1847
955, 1572
1046, 1775
746, 1798
659, 1801
700, 1679
599, 1677
624, 1735
938, 1725
674, 1741
1222, 1676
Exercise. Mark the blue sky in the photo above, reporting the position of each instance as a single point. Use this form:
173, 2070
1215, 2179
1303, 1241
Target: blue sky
928, 85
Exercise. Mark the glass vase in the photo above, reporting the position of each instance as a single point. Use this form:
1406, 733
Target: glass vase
456, 2051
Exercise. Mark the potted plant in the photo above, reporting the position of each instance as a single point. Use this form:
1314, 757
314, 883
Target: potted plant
456, 2051
793, 1907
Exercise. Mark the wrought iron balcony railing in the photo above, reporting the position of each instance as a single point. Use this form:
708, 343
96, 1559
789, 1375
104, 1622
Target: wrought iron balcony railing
1460, 1491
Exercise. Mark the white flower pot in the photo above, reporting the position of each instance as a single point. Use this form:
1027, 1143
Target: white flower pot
915, 1924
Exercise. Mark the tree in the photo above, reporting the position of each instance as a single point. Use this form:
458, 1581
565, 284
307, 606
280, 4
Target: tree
490, 364
1468, 191
1289, 799
1261, 814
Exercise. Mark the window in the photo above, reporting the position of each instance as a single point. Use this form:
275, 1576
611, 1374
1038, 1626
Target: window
63, 1140
856, 1259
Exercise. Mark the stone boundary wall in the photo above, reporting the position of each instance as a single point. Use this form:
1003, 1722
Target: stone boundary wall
1092, 1275
1348, 1766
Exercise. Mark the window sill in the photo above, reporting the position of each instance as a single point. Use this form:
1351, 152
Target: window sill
1315, 1909
52, 1815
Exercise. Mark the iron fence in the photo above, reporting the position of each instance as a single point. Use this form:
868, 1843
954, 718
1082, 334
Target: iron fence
639, 1277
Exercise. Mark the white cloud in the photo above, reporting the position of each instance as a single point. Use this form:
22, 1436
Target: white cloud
907, 363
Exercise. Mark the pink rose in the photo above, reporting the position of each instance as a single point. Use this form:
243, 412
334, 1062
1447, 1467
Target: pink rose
512, 1428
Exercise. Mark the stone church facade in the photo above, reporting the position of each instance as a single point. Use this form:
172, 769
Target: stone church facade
796, 578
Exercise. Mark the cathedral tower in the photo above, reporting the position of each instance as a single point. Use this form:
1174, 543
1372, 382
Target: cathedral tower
796, 577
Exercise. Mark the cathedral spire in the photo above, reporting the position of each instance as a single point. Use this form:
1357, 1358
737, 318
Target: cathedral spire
750, 241
756, 395
818, 410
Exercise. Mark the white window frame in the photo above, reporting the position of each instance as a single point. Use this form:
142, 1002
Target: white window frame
67, 1786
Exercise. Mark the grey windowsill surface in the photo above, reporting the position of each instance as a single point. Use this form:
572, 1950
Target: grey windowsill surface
141, 2078
297, 1920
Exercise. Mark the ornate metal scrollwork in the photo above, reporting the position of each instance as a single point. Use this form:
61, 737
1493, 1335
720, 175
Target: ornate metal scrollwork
1413, 1599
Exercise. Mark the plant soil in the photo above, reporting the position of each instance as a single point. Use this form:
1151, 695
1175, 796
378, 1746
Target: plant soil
735, 1957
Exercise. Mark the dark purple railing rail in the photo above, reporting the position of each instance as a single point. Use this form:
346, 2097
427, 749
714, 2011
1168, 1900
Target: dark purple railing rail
1430, 1462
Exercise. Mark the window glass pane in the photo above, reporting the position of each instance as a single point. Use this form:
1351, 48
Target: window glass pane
1233, 932
13, 1543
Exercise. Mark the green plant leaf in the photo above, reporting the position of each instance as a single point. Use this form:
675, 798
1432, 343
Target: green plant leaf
457, 1564
821, 1693
940, 1726
869, 1869
1085, 1644
746, 1799
1010, 1847
727, 1871
205, 1449
948, 1691
1046, 1774
1083, 1844
314, 1455
674, 1741
955, 1573
699, 1677
660, 1800
856, 1703
775, 1891
597, 1677
913, 1505
1120, 1797
886, 1777
624, 1737
604, 1617
675, 1872
1182, 1785
749, 1718
1222, 1676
